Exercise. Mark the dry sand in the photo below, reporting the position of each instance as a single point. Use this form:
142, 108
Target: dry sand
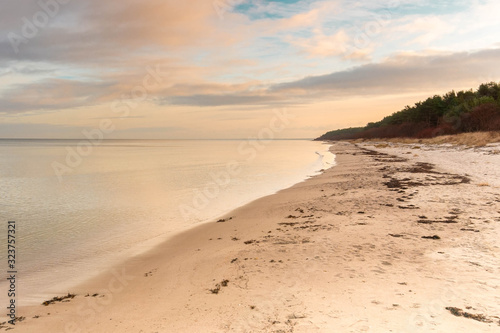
340, 252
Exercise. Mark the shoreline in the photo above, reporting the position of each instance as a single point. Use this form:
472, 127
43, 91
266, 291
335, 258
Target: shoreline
116, 273
328, 252
35, 279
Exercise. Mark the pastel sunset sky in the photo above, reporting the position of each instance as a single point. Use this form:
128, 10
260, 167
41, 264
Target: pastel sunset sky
220, 68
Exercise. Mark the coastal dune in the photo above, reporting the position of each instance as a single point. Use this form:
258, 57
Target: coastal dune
388, 240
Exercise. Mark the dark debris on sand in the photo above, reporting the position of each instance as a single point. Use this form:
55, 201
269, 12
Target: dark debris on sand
224, 220
479, 317
436, 237
59, 299
219, 286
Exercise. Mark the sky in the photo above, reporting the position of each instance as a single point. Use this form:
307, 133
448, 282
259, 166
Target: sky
210, 69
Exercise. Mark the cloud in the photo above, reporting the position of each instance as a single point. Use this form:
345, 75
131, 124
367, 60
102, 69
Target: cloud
26, 70
53, 94
324, 45
399, 74
101, 31
223, 100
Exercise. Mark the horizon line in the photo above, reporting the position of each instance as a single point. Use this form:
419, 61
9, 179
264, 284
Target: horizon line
198, 139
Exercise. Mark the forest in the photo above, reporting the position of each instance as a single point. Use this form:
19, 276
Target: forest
452, 113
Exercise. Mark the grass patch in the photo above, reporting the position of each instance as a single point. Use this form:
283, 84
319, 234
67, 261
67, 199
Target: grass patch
475, 139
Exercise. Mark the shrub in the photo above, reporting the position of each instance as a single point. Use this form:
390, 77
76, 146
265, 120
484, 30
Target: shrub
482, 118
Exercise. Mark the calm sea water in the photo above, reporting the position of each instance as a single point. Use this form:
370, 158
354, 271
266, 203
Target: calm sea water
75, 217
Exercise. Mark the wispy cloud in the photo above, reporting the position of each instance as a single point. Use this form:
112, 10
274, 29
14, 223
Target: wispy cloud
402, 73
398, 74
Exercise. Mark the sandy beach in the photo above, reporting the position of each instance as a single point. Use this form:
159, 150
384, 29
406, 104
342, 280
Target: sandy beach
394, 238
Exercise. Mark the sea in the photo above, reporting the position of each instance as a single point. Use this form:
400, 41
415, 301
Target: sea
80, 207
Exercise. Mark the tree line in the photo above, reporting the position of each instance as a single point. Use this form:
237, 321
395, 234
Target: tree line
452, 113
